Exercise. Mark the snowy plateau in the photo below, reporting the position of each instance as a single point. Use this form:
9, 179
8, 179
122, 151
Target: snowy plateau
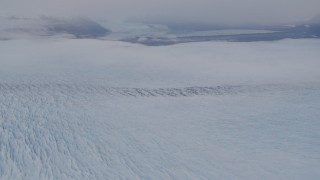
103, 109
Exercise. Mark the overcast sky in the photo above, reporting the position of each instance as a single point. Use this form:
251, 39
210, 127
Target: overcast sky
212, 11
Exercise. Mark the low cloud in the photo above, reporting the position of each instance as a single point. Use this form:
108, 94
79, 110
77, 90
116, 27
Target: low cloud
208, 11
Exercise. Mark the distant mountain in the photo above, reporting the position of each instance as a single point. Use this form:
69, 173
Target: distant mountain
198, 33
14, 27
151, 34
80, 28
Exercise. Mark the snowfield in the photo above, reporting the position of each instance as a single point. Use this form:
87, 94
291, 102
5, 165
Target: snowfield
91, 109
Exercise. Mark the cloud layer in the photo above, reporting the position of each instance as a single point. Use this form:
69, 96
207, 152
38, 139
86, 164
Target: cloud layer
212, 11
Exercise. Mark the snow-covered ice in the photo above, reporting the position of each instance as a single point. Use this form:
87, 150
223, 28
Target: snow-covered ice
90, 109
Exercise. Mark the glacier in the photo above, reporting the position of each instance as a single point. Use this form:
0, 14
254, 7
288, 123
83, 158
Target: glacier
94, 109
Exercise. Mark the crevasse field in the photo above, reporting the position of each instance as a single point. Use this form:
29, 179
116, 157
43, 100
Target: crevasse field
90, 109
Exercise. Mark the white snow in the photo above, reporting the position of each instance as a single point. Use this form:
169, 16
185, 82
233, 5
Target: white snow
90, 109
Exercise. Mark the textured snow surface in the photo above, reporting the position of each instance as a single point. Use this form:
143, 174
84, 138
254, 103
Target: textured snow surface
88, 109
